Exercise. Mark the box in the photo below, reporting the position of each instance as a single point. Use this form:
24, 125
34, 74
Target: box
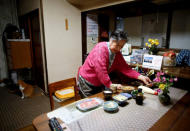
168, 61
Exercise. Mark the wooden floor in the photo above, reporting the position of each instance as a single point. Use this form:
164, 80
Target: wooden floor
177, 118
28, 128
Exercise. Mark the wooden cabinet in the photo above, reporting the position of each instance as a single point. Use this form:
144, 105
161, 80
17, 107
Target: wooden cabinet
19, 54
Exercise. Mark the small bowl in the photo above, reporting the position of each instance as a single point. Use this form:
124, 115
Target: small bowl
128, 89
107, 94
110, 106
120, 99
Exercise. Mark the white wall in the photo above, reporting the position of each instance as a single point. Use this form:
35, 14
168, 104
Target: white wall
63, 48
133, 26
180, 31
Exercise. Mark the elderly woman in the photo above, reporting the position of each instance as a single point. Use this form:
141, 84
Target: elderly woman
104, 58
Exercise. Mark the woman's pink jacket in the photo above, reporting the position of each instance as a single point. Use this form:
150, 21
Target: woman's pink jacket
95, 68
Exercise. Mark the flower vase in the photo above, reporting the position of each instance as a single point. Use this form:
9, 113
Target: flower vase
153, 52
164, 98
150, 52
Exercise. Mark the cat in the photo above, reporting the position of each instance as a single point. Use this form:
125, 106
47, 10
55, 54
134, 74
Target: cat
27, 90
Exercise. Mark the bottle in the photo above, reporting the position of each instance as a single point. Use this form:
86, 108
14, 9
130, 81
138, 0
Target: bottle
148, 90
23, 34
139, 97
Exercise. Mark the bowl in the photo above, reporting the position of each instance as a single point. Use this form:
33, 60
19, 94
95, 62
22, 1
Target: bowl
110, 106
127, 89
120, 99
107, 94
113, 87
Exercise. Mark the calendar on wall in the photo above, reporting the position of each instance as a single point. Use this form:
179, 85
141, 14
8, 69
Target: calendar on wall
92, 31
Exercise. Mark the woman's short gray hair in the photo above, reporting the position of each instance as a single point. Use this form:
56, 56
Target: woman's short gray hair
119, 35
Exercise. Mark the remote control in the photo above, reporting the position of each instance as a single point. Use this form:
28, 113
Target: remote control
54, 124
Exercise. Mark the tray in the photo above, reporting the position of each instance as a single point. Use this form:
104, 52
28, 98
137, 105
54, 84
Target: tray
120, 99
89, 104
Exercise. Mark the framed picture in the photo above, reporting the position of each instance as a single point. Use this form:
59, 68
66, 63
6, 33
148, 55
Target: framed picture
136, 59
137, 56
152, 61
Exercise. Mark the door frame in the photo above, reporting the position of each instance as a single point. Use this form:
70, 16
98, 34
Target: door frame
28, 22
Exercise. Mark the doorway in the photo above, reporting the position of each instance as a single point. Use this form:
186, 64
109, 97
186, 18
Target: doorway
31, 24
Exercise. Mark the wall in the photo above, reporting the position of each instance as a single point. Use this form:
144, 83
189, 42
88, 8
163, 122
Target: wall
112, 22
155, 26
133, 26
8, 14
180, 31
63, 47
25, 7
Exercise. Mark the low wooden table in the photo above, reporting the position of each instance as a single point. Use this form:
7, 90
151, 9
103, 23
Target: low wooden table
41, 122
177, 118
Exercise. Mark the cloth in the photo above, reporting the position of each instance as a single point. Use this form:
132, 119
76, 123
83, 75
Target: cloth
86, 88
111, 56
183, 57
96, 66
131, 117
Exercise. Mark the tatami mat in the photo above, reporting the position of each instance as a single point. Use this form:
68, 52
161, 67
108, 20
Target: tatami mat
16, 113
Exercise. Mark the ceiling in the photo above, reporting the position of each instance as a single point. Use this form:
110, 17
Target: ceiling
85, 5
159, 2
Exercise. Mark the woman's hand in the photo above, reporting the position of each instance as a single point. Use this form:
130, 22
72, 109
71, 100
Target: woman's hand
119, 87
145, 79
115, 86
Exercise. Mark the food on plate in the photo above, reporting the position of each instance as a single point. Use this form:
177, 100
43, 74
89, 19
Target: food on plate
88, 104
110, 106
127, 89
120, 98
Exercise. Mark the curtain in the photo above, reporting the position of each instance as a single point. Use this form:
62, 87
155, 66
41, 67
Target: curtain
8, 14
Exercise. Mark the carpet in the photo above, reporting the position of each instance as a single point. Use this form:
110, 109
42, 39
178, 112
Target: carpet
17, 113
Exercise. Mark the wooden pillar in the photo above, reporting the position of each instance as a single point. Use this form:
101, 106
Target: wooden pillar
170, 13
84, 37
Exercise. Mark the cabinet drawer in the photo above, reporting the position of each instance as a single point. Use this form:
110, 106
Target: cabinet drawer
20, 55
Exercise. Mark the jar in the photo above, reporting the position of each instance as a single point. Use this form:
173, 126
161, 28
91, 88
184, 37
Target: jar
139, 97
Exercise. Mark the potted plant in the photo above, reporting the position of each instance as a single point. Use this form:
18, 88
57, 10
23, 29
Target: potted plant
152, 45
164, 82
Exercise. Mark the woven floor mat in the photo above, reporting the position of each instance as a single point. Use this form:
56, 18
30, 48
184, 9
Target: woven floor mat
17, 113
